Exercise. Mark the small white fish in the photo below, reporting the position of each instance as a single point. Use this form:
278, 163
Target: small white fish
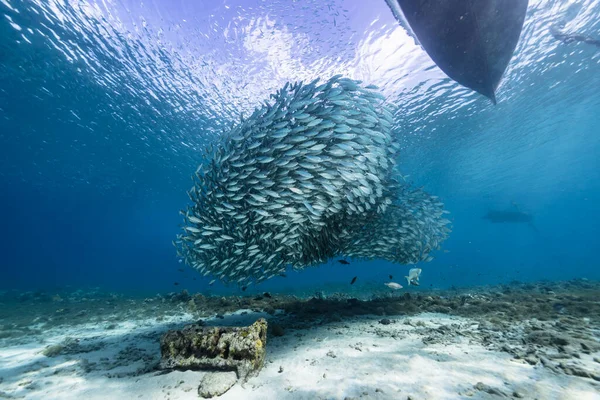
211, 282
413, 276
393, 285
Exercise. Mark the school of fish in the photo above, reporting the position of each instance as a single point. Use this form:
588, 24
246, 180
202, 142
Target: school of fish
309, 176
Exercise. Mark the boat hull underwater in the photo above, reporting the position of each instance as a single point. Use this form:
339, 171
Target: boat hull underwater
471, 41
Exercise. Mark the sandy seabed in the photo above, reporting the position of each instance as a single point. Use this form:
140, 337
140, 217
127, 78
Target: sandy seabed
531, 341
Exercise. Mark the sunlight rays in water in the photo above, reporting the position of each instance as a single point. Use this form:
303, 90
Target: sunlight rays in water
164, 79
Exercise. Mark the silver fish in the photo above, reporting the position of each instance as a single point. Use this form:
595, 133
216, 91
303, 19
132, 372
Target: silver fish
393, 285
300, 181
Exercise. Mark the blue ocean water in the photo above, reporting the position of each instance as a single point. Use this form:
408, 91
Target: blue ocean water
105, 108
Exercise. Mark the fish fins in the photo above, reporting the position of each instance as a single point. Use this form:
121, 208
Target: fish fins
407, 280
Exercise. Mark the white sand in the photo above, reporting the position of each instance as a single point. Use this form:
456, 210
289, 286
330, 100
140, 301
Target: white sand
369, 363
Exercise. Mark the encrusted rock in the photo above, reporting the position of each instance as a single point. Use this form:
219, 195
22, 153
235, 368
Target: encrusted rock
482, 387
196, 347
216, 383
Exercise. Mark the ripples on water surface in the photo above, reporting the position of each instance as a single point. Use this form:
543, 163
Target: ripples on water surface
120, 96
144, 84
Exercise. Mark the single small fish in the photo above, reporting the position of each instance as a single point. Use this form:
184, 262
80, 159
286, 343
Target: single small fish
391, 277
413, 276
244, 288
353, 280
572, 37
393, 285
211, 282
267, 295
343, 262
180, 269
176, 283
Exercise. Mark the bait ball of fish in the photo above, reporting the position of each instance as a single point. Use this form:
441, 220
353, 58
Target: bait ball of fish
308, 176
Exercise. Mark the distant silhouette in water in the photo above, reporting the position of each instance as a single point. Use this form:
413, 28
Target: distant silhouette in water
508, 216
572, 37
471, 41
512, 215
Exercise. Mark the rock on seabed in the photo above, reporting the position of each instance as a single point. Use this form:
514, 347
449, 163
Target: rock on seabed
216, 383
195, 347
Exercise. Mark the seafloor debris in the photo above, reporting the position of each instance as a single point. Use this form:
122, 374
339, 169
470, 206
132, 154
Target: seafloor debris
550, 326
216, 348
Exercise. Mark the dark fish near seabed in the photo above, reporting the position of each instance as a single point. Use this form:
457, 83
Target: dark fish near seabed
267, 295
353, 280
391, 277
176, 283
343, 262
